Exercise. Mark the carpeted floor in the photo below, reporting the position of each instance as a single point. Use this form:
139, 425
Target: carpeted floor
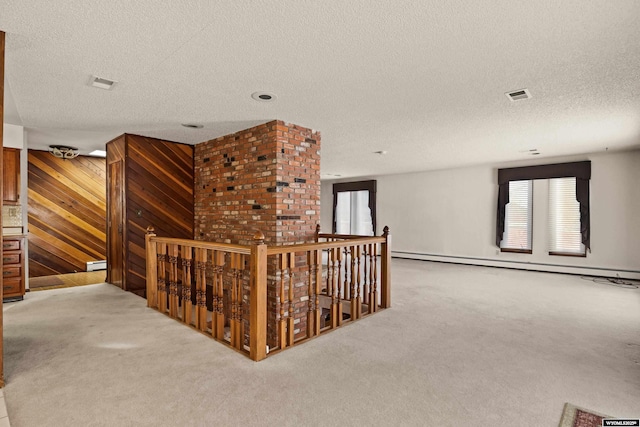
462, 345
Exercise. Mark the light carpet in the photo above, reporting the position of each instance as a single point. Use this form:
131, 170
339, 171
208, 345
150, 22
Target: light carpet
462, 345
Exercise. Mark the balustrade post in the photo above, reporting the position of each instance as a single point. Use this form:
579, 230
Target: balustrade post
317, 235
258, 299
152, 268
385, 284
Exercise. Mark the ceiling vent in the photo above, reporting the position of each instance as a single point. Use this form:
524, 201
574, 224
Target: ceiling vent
517, 95
102, 83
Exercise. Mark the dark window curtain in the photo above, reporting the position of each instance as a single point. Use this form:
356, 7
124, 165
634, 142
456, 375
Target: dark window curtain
503, 201
580, 170
582, 195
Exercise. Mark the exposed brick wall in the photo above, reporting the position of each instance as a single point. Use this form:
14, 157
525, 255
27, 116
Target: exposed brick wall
264, 178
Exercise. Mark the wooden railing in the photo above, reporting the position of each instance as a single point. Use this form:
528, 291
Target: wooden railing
224, 290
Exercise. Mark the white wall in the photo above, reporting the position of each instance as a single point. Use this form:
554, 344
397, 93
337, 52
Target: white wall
450, 215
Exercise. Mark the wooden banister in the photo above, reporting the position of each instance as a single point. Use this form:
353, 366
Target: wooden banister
311, 283
306, 247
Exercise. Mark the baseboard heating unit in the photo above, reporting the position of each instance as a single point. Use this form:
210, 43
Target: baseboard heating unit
97, 265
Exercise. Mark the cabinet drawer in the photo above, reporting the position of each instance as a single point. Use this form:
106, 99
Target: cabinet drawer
11, 271
11, 258
12, 286
11, 245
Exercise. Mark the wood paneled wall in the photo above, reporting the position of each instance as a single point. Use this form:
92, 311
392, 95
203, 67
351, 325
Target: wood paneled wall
2, 36
67, 213
158, 186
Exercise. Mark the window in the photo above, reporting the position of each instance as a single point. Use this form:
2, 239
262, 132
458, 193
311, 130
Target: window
354, 208
518, 218
565, 237
569, 218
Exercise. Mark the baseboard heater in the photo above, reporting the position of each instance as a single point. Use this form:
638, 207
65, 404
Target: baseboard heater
531, 266
97, 265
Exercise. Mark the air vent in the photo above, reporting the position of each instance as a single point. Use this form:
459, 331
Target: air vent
518, 95
102, 83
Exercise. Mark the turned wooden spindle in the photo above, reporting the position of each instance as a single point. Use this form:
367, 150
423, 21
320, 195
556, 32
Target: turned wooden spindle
291, 318
201, 286
282, 324
358, 298
236, 323
352, 287
186, 284
310, 293
162, 277
336, 316
217, 316
173, 280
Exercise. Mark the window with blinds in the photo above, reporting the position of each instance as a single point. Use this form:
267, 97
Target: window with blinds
564, 218
518, 218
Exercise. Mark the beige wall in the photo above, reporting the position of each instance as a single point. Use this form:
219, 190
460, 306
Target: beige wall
450, 215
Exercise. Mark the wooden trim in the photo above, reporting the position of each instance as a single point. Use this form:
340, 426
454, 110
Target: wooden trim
583, 255
227, 247
152, 269
305, 247
258, 302
517, 251
2, 40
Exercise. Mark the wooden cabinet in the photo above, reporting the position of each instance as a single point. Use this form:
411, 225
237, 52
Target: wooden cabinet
11, 176
13, 267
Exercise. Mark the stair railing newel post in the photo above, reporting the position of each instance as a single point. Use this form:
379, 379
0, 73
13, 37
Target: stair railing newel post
386, 269
152, 267
258, 299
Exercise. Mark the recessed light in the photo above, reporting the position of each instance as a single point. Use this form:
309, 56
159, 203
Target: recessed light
102, 83
98, 153
193, 125
263, 96
381, 152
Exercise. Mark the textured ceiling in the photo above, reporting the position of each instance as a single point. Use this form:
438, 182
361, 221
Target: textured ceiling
424, 81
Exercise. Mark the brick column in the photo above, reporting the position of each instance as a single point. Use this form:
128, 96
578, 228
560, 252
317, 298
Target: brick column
264, 178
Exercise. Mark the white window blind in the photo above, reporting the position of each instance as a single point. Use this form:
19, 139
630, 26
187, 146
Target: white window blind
518, 216
564, 217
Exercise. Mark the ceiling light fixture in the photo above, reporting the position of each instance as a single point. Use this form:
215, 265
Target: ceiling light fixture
381, 152
518, 95
63, 152
263, 96
98, 153
102, 83
193, 125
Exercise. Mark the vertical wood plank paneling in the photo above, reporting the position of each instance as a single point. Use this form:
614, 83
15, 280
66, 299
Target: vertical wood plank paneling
67, 208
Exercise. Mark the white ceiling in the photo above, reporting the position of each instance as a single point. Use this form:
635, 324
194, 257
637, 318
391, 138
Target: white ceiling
422, 80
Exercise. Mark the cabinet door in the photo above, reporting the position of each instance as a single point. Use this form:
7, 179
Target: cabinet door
11, 176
